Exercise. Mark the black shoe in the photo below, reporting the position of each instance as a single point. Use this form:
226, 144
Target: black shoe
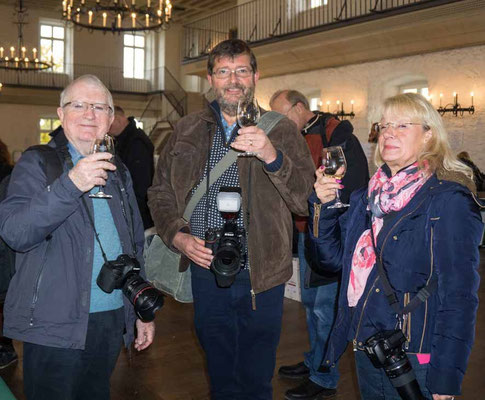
296, 371
309, 390
7, 356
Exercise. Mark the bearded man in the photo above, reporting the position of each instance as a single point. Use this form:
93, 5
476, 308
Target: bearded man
238, 326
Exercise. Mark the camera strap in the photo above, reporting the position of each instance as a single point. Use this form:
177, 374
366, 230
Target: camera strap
131, 233
391, 296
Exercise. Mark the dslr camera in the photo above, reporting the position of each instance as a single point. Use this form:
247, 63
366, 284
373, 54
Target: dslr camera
385, 350
228, 243
124, 273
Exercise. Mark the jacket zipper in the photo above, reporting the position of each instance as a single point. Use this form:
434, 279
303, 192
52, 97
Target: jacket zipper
426, 302
37, 286
317, 207
380, 256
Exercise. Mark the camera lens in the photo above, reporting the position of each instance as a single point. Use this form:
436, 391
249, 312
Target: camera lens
227, 260
144, 297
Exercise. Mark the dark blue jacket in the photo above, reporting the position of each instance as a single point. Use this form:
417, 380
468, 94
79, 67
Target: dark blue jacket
48, 298
437, 234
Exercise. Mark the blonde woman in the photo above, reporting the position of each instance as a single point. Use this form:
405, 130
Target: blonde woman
417, 226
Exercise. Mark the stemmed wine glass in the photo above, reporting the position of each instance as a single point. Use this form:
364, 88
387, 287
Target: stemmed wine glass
104, 145
247, 115
333, 159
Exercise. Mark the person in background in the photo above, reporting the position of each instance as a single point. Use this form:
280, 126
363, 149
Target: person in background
7, 263
318, 291
136, 151
410, 239
71, 329
238, 326
478, 176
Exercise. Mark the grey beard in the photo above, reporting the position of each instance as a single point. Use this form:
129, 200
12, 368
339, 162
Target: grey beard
231, 108
228, 108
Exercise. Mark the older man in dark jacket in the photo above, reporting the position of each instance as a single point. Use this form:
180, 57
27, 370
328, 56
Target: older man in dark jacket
318, 291
238, 326
71, 329
136, 151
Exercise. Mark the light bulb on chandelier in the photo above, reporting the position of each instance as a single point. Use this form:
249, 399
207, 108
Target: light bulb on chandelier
118, 15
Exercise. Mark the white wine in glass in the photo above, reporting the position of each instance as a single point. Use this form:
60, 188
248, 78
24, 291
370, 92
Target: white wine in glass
333, 159
248, 114
105, 145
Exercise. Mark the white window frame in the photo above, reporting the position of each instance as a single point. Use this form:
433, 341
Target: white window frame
53, 121
135, 47
68, 44
420, 87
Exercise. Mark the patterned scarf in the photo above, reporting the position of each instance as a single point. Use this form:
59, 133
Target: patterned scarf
386, 195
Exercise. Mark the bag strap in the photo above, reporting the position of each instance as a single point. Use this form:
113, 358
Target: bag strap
267, 122
391, 296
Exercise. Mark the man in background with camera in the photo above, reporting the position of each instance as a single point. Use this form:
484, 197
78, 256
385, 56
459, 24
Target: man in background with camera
318, 291
237, 320
73, 330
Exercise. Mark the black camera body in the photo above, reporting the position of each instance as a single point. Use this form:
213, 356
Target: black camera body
228, 244
228, 247
385, 350
124, 273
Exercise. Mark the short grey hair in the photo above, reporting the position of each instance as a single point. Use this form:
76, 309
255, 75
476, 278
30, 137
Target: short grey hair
292, 96
90, 80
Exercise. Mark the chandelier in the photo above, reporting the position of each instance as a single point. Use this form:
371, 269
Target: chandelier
118, 15
18, 58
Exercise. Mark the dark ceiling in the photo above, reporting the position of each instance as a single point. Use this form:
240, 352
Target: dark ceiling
184, 10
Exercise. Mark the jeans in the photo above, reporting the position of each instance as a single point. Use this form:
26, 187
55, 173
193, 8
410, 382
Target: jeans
374, 383
320, 304
239, 342
53, 373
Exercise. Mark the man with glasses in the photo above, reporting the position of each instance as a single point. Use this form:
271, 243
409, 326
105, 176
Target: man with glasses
71, 329
238, 326
318, 291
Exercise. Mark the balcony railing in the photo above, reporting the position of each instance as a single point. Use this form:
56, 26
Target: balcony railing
155, 80
260, 21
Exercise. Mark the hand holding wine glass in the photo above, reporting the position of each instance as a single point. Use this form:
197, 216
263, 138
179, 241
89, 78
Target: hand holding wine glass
104, 145
248, 114
333, 160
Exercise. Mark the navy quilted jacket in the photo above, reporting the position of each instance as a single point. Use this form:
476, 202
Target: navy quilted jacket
438, 234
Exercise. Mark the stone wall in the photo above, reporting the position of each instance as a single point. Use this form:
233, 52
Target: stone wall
459, 70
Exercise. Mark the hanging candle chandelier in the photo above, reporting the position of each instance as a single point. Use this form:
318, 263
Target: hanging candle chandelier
118, 15
20, 58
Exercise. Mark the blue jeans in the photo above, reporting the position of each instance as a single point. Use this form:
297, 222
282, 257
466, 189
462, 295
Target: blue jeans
239, 342
320, 305
374, 383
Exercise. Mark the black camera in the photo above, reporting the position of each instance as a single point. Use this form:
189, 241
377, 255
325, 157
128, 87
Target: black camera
385, 350
124, 273
228, 244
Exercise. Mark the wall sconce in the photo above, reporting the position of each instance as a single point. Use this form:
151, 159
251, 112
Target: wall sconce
1, 87
455, 108
340, 110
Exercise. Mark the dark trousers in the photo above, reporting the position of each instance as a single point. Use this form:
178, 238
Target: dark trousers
374, 383
239, 342
52, 373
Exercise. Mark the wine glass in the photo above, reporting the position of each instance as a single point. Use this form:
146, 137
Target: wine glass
333, 159
247, 115
104, 145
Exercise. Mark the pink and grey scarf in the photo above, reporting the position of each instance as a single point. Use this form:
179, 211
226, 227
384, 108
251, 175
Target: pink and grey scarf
386, 195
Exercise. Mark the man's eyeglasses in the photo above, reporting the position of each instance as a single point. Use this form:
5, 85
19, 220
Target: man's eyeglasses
399, 127
82, 107
224, 73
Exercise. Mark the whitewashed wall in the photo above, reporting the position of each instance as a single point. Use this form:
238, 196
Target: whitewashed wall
460, 70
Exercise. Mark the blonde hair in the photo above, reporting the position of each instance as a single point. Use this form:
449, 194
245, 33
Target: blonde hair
437, 151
